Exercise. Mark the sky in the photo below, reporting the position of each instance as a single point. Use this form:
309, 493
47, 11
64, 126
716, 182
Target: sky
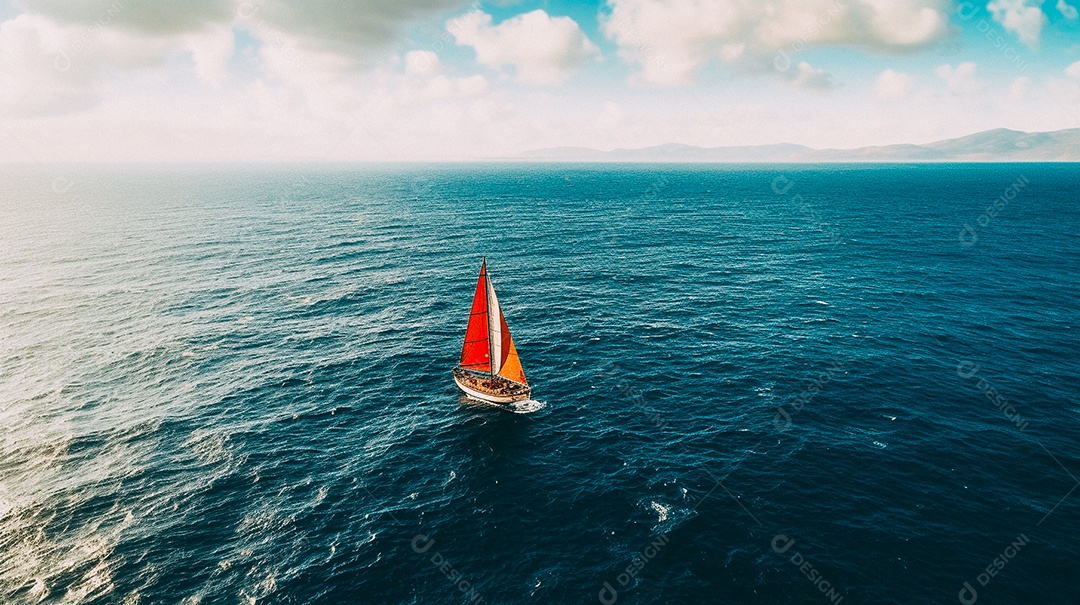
401, 80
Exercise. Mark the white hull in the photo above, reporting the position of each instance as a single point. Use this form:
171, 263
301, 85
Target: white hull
482, 396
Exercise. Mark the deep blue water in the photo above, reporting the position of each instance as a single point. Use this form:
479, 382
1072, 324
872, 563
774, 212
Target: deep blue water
232, 385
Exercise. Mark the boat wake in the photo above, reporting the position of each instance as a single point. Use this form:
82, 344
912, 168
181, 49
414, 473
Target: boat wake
526, 406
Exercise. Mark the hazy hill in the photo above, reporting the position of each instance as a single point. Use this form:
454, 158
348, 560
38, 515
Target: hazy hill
998, 145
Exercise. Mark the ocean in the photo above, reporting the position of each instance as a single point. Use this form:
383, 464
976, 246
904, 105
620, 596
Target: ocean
751, 384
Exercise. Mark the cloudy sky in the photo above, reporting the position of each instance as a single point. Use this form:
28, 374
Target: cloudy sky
337, 80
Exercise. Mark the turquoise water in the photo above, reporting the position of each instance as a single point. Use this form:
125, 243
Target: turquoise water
753, 384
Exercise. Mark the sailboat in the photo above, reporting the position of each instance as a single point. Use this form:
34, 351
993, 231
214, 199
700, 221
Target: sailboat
489, 369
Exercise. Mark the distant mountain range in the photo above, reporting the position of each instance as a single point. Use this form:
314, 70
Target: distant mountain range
998, 145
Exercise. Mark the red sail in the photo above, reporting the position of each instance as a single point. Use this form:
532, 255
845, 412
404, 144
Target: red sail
476, 353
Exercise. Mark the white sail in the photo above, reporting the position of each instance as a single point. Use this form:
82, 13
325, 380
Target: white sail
494, 329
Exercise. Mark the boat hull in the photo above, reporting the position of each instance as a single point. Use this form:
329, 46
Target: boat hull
475, 389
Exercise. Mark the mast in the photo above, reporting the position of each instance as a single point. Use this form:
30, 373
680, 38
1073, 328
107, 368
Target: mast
496, 344
489, 289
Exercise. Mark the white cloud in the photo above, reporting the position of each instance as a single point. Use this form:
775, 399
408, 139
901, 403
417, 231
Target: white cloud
125, 90
541, 48
423, 82
613, 117
55, 68
340, 25
443, 87
421, 63
891, 85
1067, 10
357, 29
672, 39
959, 79
159, 17
210, 51
471, 86
1019, 88
283, 57
808, 77
350, 27
1018, 17
57, 55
